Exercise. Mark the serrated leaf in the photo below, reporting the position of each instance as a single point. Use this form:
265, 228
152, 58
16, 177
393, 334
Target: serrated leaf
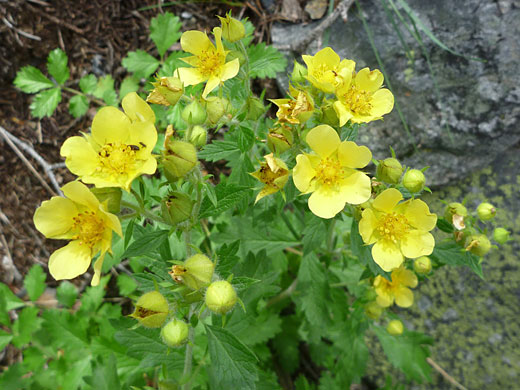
233, 365
218, 150
65, 329
66, 294
165, 31
227, 196
45, 102
140, 63
26, 324
105, 90
88, 84
104, 374
31, 80
57, 65
146, 244
450, 253
129, 84
78, 106
445, 226
287, 343
5, 338
243, 282
314, 234
8, 301
265, 61
245, 138
34, 282
227, 258
126, 284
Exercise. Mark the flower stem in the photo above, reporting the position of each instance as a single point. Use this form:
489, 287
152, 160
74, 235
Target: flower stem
92, 99
188, 357
143, 212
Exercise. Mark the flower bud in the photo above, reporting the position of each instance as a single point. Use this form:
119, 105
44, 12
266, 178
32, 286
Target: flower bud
167, 91
329, 116
422, 265
151, 310
373, 310
414, 180
479, 244
255, 108
177, 157
175, 333
299, 72
194, 113
196, 272
280, 139
486, 211
236, 54
455, 208
232, 29
177, 206
110, 194
221, 297
390, 170
216, 107
395, 328
501, 235
297, 109
198, 136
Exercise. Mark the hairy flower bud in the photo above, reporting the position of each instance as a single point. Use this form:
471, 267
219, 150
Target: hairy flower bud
395, 328
112, 195
479, 244
221, 297
167, 91
177, 157
422, 265
151, 310
196, 272
329, 116
175, 333
501, 235
455, 208
280, 139
299, 73
414, 180
194, 113
389, 170
216, 107
486, 211
198, 136
177, 207
373, 310
232, 29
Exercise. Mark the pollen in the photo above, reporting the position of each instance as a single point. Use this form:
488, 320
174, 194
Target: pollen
210, 62
329, 172
358, 100
117, 158
393, 227
89, 228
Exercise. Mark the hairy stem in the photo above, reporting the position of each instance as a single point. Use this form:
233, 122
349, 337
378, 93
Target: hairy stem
143, 212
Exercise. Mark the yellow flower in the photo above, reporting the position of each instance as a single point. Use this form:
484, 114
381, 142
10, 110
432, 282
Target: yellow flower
398, 230
331, 173
232, 29
295, 110
119, 147
78, 217
273, 173
396, 290
326, 70
209, 62
361, 98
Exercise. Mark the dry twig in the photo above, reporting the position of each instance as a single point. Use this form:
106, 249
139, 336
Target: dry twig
446, 376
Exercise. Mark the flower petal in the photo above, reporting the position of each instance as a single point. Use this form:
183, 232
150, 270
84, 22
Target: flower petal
143, 135
353, 156
211, 84
387, 200
343, 114
191, 76
217, 33
405, 277
195, 42
418, 215
326, 202
382, 102
387, 255
324, 140
356, 188
110, 125
369, 80
137, 109
98, 265
403, 297
80, 158
70, 261
417, 243
367, 226
79, 193
327, 57
303, 173
54, 217
112, 221
230, 69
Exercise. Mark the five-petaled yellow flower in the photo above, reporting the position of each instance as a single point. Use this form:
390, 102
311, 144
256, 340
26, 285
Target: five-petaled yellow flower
361, 98
396, 290
398, 230
119, 147
330, 174
326, 70
273, 173
208, 61
79, 217
298, 109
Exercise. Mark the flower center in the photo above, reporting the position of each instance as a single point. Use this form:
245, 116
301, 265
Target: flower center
89, 228
117, 158
329, 171
393, 227
267, 176
210, 62
358, 100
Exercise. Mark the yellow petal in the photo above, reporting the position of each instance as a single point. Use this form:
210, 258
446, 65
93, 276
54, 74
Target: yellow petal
70, 261
80, 158
403, 297
324, 140
343, 114
326, 202
191, 76
303, 173
54, 217
212, 83
382, 102
267, 190
328, 57
405, 277
195, 42
112, 222
385, 300
353, 156
387, 200
79, 193
137, 109
144, 136
417, 243
418, 215
149, 166
98, 265
367, 226
369, 80
217, 33
230, 69
356, 188
110, 125
387, 255
191, 60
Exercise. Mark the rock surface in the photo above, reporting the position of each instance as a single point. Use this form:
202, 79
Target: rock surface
475, 115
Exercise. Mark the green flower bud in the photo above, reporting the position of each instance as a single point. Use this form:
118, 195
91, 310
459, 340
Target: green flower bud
177, 207
216, 107
221, 297
194, 113
175, 333
455, 208
151, 310
198, 136
329, 116
110, 194
168, 384
486, 211
299, 72
479, 244
177, 157
167, 91
232, 29
196, 272
390, 170
373, 310
422, 265
414, 180
255, 108
280, 139
395, 328
236, 54
501, 235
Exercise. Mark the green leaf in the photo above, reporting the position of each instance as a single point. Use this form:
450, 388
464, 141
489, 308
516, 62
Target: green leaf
171, 63
105, 90
147, 243
5, 338
314, 234
265, 61
245, 137
104, 374
287, 344
34, 282
129, 84
66, 294
218, 150
243, 282
57, 65
140, 63
45, 102
126, 284
445, 226
8, 301
88, 84
14, 378
408, 352
78, 106
233, 365
227, 258
227, 196
450, 253
26, 324
30, 80
363, 252
165, 31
